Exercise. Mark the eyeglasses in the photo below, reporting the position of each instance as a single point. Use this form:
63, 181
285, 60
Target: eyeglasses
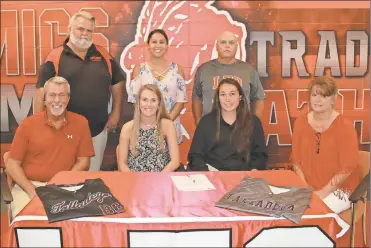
318, 141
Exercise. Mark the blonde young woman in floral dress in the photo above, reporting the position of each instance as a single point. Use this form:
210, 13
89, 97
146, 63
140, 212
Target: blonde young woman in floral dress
148, 143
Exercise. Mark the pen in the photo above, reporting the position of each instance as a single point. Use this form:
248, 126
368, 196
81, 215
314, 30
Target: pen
194, 181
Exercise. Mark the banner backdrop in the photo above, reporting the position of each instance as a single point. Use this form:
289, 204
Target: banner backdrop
288, 42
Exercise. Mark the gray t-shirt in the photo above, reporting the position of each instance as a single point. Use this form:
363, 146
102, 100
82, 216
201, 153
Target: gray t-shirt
254, 195
209, 75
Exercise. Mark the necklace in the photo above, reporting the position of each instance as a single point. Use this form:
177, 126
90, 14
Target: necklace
149, 125
322, 124
160, 74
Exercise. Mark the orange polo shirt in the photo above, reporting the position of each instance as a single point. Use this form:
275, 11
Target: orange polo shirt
45, 150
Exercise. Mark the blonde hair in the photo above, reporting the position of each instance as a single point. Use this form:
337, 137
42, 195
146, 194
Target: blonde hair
57, 80
325, 86
160, 114
83, 14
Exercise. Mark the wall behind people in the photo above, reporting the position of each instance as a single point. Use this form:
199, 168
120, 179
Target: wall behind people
288, 43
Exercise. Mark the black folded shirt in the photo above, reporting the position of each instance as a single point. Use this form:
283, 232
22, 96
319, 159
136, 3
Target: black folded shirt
93, 198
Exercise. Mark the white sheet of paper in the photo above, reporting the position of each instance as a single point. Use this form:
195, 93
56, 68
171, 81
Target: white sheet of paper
211, 168
337, 201
195, 182
278, 190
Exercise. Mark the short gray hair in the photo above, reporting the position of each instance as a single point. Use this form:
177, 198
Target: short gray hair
83, 14
57, 80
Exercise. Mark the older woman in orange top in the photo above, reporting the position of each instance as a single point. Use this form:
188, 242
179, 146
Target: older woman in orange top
325, 147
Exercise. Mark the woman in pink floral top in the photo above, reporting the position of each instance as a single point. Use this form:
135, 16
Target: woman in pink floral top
168, 76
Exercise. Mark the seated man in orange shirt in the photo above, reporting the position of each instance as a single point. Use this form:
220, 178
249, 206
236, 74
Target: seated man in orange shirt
46, 143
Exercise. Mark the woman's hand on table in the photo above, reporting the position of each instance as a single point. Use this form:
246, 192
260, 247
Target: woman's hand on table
125, 169
31, 193
322, 193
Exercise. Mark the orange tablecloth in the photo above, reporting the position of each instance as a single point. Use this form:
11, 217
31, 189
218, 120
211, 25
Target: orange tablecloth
154, 206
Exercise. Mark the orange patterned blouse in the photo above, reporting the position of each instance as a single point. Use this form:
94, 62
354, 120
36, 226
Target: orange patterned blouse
323, 156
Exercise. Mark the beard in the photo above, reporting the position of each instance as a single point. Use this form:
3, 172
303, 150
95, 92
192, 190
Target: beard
80, 43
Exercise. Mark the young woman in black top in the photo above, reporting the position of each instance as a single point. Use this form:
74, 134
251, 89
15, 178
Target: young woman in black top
230, 138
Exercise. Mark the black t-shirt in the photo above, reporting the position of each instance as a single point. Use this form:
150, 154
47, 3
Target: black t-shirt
222, 154
90, 83
93, 199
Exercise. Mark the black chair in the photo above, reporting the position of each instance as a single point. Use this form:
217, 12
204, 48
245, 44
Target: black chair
362, 192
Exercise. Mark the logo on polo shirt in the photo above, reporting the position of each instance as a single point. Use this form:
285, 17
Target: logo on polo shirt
69, 136
95, 58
